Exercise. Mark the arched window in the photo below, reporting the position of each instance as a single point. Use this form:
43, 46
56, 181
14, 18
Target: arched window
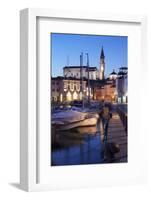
75, 96
69, 96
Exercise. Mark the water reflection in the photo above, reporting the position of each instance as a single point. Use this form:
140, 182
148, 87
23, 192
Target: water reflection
81, 145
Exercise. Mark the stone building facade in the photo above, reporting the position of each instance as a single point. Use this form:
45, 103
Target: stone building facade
78, 72
107, 91
122, 85
67, 89
74, 84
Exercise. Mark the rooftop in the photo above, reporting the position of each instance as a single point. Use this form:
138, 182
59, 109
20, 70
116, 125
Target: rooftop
123, 68
77, 67
113, 73
65, 78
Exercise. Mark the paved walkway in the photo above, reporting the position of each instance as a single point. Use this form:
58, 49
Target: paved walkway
118, 135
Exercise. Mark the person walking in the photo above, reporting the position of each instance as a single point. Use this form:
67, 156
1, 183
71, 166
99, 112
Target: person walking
105, 115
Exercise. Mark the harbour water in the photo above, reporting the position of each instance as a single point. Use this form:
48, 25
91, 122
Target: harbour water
78, 146
85, 145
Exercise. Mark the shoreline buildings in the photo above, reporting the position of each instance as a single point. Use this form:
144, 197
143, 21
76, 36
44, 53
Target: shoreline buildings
80, 82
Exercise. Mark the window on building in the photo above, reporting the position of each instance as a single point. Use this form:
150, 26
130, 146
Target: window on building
61, 98
65, 87
69, 96
119, 99
75, 96
78, 87
71, 87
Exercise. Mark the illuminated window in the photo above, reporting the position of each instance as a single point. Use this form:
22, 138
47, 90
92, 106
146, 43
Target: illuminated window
69, 96
124, 99
75, 96
65, 87
61, 98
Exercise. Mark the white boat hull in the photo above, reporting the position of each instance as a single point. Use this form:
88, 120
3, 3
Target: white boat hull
86, 122
72, 119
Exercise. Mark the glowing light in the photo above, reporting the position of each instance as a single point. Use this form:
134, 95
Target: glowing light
124, 99
102, 69
75, 96
61, 97
69, 97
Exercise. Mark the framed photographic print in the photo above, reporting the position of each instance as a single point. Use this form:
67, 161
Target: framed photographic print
82, 78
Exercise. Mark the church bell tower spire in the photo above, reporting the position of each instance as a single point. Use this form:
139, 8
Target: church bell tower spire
102, 64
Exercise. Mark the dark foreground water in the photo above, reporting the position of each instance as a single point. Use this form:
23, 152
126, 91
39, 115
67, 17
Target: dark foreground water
81, 145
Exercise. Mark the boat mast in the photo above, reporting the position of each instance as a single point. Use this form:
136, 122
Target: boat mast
88, 78
81, 77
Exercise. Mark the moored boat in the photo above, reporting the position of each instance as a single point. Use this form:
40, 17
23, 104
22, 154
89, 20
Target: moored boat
72, 119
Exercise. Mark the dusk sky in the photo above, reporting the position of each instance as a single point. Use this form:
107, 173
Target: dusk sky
66, 49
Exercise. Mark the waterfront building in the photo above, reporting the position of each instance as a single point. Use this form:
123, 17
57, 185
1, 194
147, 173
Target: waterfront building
106, 91
122, 85
68, 89
113, 75
73, 85
78, 72
82, 71
57, 89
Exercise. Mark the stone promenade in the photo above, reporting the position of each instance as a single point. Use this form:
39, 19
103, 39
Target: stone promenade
118, 135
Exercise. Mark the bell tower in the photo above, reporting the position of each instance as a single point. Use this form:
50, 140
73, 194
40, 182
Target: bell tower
102, 64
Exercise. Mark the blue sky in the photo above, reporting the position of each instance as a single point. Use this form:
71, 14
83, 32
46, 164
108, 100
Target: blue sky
66, 48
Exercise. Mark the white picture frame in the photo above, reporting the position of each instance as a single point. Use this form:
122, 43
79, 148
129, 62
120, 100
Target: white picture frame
29, 95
